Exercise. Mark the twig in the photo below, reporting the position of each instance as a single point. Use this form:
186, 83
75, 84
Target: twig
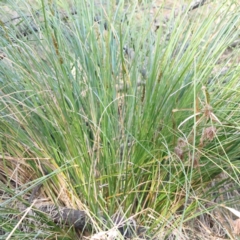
35, 193
197, 4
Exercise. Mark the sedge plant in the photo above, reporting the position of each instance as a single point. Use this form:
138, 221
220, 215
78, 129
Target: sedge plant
115, 116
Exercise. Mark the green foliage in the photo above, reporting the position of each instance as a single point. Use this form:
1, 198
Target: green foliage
143, 131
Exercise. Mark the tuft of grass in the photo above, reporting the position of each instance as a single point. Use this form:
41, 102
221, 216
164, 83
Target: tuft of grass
113, 117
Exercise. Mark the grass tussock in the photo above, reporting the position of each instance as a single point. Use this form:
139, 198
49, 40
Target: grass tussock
134, 124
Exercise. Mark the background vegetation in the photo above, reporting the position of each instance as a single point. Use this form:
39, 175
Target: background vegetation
133, 120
